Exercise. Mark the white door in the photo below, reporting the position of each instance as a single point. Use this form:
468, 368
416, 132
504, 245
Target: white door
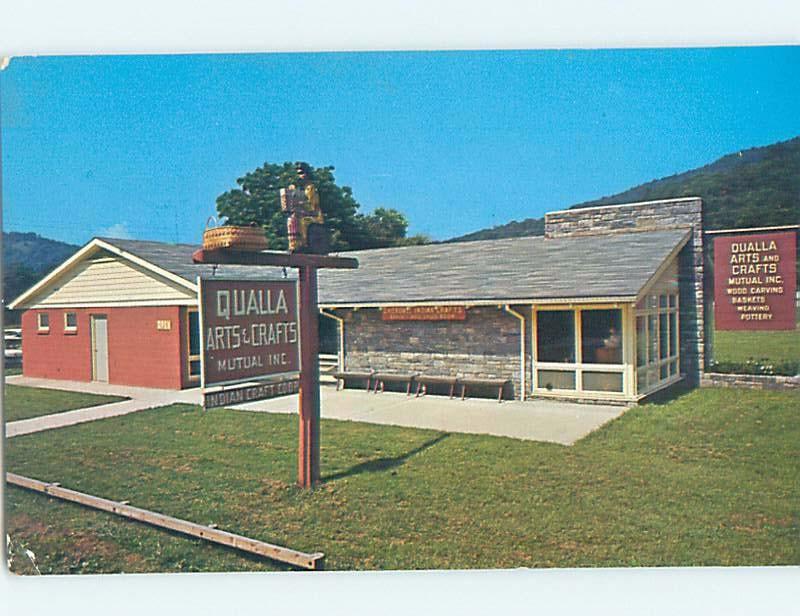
100, 348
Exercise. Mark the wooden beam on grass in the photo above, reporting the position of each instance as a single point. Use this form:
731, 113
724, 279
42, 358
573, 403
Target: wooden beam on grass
286, 555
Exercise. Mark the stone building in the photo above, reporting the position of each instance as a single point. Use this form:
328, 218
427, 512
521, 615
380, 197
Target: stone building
607, 305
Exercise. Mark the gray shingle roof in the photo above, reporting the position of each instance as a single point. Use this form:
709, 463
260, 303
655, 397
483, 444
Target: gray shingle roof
510, 269
516, 268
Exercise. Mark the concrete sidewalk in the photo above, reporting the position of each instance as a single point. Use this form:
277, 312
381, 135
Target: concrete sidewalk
141, 398
533, 420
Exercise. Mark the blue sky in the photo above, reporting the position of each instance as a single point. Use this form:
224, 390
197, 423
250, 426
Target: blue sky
140, 146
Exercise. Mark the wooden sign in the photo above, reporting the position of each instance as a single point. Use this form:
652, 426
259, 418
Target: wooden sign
249, 329
424, 313
755, 281
251, 393
308, 462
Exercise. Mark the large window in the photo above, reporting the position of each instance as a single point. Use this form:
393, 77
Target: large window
555, 336
579, 350
657, 341
601, 336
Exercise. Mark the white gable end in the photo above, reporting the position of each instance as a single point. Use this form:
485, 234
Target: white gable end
110, 281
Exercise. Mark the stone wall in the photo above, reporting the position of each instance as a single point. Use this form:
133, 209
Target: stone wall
750, 381
648, 216
486, 344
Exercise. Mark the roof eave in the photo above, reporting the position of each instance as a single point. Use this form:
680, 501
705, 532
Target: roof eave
94, 245
21, 300
149, 265
499, 301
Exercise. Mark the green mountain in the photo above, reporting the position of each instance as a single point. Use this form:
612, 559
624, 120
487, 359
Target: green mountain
754, 188
27, 257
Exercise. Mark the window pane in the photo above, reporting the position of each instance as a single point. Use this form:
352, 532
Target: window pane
641, 380
602, 381
194, 334
652, 340
44, 319
555, 335
664, 372
556, 379
662, 301
673, 332
71, 320
673, 300
663, 336
641, 341
194, 368
601, 336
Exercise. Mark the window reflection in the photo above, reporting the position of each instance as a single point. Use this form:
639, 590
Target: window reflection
555, 336
601, 336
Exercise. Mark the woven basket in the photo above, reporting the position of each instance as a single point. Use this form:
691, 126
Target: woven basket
250, 239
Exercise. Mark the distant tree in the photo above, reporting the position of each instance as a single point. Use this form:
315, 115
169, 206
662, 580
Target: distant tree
414, 240
257, 200
384, 227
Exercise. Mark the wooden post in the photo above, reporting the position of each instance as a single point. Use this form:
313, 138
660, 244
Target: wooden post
308, 450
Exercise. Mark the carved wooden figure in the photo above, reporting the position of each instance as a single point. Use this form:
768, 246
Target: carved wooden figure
304, 226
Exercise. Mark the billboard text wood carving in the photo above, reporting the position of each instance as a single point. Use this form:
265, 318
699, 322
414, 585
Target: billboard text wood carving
755, 281
250, 330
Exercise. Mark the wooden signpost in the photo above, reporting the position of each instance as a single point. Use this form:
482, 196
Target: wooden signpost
308, 472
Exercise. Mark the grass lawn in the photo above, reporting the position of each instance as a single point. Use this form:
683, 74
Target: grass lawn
26, 402
709, 478
777, 346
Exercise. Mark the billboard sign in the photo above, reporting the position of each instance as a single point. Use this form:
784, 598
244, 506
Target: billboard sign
249, 330
755, 281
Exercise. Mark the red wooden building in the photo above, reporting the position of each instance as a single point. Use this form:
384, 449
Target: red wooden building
118, 311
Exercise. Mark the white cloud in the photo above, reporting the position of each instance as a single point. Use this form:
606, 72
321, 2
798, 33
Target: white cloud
118, 230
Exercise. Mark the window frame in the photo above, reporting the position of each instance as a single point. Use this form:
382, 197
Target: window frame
70, 329
649, 375
42, 329
189, 356
578, 367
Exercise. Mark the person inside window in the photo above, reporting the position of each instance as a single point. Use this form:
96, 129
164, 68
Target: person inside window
610, 351
613, 340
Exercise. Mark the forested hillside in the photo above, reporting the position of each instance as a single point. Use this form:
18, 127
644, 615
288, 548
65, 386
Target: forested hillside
26, 258
753, 188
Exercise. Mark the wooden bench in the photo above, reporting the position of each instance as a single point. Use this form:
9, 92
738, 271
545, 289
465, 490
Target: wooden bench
423, 380
341, 377
478, 382
381, 378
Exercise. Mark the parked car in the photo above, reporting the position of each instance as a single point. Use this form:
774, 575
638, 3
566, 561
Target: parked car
12, 348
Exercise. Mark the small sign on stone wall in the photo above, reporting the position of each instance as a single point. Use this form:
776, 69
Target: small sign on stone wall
424, 313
